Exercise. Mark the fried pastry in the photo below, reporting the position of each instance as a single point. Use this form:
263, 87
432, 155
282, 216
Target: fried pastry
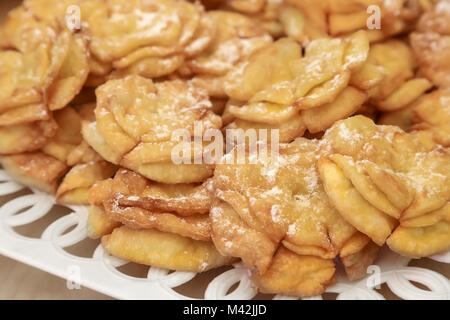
99, 223
395, 17
432, 114
82, 153
268, 18
392, 176
134, 126
62, 68
264, 12
428, 113
151, 38
431, 44
246, 6
43, 68
111, 104
388, 76
170, 221
196, 227
441, 214
278, 203
296, 275
35, 170
164, 250
68, 145
74, 188
40, 8
237, 36
26, 137
277, 84
305, 21
68, 135
419, 242
370, 220
135, 202
402, 118
72, 75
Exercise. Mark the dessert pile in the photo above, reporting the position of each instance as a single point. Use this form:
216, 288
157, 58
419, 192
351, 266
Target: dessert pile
92, 93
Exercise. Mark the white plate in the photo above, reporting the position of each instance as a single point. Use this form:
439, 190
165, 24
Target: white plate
104, 273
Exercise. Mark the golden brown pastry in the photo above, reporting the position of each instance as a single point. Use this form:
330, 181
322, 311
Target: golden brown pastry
432, 114
392, 177
431, 44
35, 170
277, 88
135, 121
112, 103
280, 205
164, 250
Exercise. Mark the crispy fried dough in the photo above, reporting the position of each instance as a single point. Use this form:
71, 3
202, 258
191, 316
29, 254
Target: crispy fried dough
134, 127
432, 113
120, 85
235, 33
62, 66
418, 242
233, 237
26, 137
100, 223
431, 44
274, 202
195, 227
388, 66
68, 135
236, 37
35, 170
297, 275
389, 175
137, 203
276, 84
396, 16
346, 198
74, 188
164, 250
71, 76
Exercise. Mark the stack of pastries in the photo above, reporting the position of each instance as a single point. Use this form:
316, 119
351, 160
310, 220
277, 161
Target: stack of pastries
88, 112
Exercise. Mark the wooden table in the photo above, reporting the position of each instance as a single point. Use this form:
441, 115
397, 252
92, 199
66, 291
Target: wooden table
19, 281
